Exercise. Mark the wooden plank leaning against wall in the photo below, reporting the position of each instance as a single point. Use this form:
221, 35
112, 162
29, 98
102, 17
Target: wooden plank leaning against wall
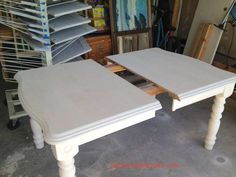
213, 15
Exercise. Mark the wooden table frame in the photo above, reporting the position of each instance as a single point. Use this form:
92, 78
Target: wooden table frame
128, 106
220, 94
65, 147
149, 87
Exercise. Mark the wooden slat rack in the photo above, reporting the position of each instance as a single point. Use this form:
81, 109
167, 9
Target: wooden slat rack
43, 25
40, 33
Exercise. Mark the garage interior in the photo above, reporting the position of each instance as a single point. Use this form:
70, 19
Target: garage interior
38, 34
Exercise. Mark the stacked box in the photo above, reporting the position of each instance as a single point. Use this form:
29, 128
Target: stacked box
97, 15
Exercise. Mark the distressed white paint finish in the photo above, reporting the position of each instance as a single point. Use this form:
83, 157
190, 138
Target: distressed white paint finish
216, 115
188, 80
64, 153
181, 75
67, 168
177, 104
37, 134
78, 102
60, 98
210, 11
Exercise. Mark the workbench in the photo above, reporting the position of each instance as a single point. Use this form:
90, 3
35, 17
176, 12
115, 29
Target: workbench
75, 103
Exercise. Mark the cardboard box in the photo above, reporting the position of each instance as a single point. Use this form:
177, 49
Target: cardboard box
98, 23
97, 12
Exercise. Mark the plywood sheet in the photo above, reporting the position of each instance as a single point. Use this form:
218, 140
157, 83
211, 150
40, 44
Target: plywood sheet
67, 8
76, 49
186, 17
211, 11
67, 21
71, 33
180, 75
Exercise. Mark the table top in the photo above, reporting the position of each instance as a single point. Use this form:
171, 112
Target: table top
180, 75
72, 98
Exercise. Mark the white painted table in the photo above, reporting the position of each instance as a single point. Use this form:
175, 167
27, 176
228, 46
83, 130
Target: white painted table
186, 79
72, 104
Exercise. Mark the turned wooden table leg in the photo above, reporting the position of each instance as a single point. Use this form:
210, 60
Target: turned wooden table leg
37, 134
67, 168
216, 115
64, 154
214, 122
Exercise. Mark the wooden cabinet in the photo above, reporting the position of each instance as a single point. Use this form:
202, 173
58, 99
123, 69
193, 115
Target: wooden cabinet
101, 47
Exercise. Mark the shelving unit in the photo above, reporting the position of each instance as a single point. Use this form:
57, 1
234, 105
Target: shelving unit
43, 33
48, 27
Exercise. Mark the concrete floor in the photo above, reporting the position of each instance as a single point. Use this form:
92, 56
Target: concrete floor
170, 137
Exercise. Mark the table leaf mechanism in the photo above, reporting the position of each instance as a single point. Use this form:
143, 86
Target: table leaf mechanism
44, 33
68, 124
182, 77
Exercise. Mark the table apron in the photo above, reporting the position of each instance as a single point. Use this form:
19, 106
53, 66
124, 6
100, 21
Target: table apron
177, 104
104, 130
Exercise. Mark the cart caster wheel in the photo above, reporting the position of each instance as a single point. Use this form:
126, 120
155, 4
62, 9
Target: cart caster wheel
13, 124
5, 102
